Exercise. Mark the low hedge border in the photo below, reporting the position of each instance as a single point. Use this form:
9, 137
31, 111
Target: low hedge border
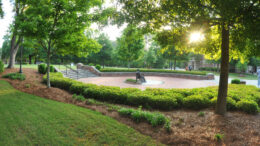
152, 70
164, 99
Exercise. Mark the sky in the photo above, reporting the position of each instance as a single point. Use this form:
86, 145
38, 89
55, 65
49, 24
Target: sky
112, 31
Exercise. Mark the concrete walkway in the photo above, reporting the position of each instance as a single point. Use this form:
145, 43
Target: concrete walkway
248, 82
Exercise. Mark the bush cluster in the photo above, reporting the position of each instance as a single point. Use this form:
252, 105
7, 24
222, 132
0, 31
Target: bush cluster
42, 68
209, 69
98, 67
15, 76
240, 97
152, 70
235, 81
155, 119
1, 66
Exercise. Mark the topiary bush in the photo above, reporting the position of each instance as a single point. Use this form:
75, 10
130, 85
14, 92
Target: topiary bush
248, 106
52, 69
196, 102
42, 68
235, 81
2, 66
98, 67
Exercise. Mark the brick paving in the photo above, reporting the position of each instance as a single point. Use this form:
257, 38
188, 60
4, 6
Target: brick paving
169, 82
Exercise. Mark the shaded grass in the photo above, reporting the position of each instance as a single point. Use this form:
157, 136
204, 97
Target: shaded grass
30, 120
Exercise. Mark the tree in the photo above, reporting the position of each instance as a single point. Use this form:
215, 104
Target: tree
16, 37
130, 45
1, 10
232, 23
59, 26
106, 51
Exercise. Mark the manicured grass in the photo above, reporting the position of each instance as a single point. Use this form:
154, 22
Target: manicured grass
30, 120
152, 70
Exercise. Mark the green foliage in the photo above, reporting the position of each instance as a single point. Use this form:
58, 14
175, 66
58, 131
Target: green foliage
131, 80
196, 102
131, 44
152, 70
201, 114
2, 66
235, 81
248, 106
78, 97
219, 137
42, 68
209, 69
241, 66
164, 99
155, 119
98, 67
15, 76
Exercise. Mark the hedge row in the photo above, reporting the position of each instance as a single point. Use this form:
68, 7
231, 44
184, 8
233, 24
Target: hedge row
240, 97
209, 69
15, 76
152, 70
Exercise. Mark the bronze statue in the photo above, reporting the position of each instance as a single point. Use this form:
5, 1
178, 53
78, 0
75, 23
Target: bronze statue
140, 76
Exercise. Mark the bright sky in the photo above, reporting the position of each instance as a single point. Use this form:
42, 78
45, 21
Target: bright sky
112, 31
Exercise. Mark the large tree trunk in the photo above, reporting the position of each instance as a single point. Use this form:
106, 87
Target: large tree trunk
30, 59
13, 51
223, 82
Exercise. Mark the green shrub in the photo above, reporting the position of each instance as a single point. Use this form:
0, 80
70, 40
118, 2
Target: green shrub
196, 102
42, 68
231, 103
201, 114
52, 69
91, 64
235, 81
2, 66
219, 136
15, 76
155, 119
248, 106
78, 97
98, 67
209, 69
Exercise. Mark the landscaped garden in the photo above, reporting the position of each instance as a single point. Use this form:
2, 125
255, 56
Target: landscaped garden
129, 72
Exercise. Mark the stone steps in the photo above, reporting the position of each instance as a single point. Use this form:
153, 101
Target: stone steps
81, 74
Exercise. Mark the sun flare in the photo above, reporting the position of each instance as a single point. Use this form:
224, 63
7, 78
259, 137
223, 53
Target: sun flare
196, 37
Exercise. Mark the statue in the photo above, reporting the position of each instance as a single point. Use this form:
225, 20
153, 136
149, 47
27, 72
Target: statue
140, 76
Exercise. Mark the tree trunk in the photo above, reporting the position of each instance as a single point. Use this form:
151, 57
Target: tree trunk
175, 62
13, 51
30, 59
224, 70
48, 68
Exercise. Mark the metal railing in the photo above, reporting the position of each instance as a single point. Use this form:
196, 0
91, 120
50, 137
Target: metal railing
70, 68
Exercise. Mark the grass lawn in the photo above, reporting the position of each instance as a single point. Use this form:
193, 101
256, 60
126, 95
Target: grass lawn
30, 120
237, 76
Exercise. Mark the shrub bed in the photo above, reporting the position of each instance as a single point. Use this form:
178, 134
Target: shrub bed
235, 81
209, 69
15, 76
152, 70
42, 68
239, 96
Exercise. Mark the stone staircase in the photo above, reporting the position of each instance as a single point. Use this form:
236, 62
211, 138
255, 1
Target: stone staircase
74, 75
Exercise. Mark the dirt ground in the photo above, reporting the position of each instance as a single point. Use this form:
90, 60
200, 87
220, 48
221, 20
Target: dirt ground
188, 128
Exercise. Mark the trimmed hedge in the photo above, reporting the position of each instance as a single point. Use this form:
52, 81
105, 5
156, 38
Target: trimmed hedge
209, 69
98, 67
152, 70
164, 99
235, 81
2, 67
42, 68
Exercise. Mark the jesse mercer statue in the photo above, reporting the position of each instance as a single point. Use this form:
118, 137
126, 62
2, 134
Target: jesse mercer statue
140, 76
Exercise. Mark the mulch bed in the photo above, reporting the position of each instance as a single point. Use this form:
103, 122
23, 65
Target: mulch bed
187, 127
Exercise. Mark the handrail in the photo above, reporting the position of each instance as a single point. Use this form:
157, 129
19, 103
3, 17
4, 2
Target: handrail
67, 66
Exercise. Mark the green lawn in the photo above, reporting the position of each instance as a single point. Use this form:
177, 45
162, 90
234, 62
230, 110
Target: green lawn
237, 75
30, 120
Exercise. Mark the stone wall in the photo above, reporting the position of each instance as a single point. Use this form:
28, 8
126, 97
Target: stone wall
117, 74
